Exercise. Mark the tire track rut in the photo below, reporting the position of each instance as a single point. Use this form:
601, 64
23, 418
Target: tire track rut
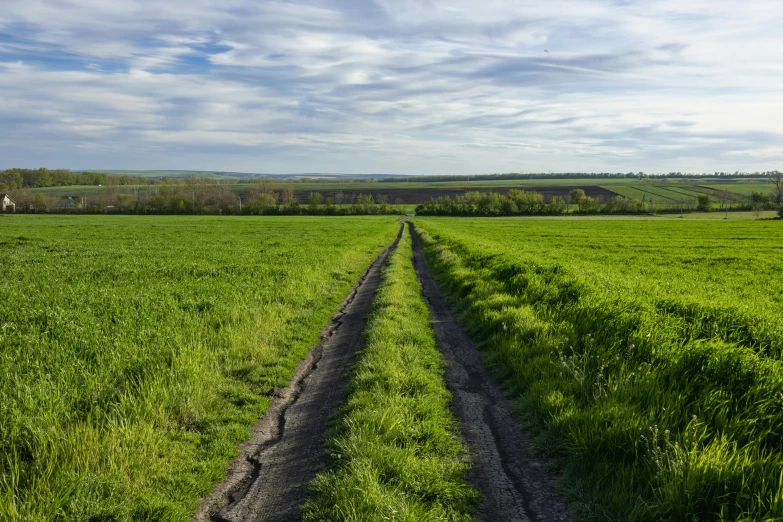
515, 483
267, 481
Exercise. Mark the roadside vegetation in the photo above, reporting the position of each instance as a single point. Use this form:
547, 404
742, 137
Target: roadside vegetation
199, 196
395, 453
645, 355
137, 351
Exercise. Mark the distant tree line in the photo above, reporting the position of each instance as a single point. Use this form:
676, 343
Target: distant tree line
580, 175
15, 179
203, 196
18, 178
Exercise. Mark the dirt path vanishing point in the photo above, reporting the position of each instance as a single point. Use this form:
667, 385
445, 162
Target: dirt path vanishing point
515, 483
267, 481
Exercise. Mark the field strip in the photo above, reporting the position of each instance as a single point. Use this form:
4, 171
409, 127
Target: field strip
514, 482
267, 480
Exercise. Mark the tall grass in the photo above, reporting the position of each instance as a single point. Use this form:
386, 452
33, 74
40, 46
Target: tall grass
663, 403
394, 453
137, 351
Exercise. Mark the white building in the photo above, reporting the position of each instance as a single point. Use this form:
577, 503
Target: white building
7, 203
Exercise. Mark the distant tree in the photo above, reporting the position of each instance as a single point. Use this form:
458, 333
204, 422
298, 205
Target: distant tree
756, 208
576, 195
508, 207
759, 197
266, 185
526, 202
266, 202
623, 205
39, 202
588, 205
222, 198
315, 200
287, 195
329, 207
758, 202
557, 205
724, 196
780, 211
365, 204
44, 179
705, 203
3, 187
777, 190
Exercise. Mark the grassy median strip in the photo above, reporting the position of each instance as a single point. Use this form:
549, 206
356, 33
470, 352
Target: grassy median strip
395, 453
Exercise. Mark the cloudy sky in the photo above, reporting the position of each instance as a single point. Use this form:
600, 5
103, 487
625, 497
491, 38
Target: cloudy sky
411, 86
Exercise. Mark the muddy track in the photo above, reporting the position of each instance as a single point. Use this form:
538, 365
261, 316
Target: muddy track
515, 483
267, 481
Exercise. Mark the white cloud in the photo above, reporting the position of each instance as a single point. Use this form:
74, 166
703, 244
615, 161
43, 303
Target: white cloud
418, 86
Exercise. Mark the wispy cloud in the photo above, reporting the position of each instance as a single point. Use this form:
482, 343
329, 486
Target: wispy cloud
429, 86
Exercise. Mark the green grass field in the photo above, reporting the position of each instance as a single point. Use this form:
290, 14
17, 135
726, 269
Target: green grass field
645, 354
685, 193
395, 453
136, 352
741, 188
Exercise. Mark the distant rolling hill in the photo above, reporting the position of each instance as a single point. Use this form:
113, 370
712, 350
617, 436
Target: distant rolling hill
240, 175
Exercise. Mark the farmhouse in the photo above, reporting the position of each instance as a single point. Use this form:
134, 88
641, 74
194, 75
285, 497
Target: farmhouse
67, 203
7, 203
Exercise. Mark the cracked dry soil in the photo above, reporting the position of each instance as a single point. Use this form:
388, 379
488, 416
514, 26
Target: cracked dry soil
267, 481
515, 483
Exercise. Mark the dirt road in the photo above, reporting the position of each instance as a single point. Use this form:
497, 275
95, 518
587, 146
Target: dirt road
267, 482
515, 483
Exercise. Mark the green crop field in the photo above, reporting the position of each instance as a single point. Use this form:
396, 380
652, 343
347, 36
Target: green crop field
677, 194
137, 351
741, 188
645, 355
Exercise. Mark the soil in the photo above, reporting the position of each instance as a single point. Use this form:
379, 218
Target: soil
516, 484
267, 481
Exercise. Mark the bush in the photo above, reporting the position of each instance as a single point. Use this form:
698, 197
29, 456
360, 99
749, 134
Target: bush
557, 205
705, 203
780, 211
588, 205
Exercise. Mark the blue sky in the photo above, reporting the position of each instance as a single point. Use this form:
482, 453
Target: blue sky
432, 86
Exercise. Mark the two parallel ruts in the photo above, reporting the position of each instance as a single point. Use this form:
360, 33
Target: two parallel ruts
514, 482
267, 482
